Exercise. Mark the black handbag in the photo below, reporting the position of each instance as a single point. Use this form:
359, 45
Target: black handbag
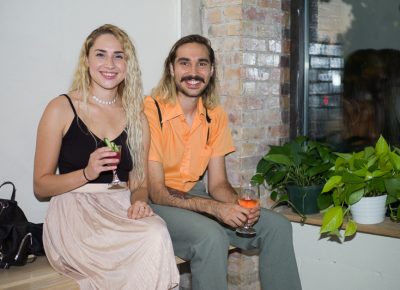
18, 237
10, 212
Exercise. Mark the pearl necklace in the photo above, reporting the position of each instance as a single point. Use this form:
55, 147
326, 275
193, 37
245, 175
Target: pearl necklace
100, 101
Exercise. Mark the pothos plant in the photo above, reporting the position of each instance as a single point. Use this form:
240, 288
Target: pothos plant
301, 162
373, 171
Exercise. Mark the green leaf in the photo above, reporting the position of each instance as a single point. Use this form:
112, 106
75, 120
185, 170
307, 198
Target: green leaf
257, 179
393, 187
324, 201
395, 159
376, 186
278, 158
381, 146
332, 219
276, 177
353, 197
351, 178
371, 160
262, 166
319, 169
345, 156
351, 229
274, 195
379, 172
361, 172
332, 182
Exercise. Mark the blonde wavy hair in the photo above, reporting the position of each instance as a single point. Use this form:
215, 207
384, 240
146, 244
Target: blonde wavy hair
166, 88
130, 91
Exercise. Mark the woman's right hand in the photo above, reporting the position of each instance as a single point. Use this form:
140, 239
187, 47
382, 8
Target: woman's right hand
102, 159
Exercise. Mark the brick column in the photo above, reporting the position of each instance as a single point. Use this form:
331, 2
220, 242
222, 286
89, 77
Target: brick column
251, 42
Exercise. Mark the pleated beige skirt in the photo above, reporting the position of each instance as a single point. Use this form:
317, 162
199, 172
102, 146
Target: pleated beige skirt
88, 237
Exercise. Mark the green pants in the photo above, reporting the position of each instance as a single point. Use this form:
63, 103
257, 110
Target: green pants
205, 243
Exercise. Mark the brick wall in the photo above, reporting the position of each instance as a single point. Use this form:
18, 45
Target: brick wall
251, 41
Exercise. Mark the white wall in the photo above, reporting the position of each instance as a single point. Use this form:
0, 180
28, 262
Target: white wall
368, 262
40, 41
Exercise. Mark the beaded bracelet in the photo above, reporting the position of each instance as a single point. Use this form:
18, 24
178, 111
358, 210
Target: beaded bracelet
84, 175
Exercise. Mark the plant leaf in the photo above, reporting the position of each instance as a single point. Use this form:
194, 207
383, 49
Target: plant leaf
351, 229
278, 158
395, 159
319, 169
258, 178
332, 182
324, 201
381, 146
355, 196
332, 220
393, 188
275, 178
274, 195
348, 177
345, 156
262, 166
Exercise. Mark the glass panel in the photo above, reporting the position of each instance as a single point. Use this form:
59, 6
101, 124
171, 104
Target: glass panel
354, 72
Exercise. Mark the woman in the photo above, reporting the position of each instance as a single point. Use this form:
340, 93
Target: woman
103, 238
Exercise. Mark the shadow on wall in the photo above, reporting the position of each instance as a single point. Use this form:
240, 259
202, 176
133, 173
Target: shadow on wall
371, 97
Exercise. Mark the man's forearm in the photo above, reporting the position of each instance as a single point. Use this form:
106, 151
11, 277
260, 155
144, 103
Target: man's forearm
224, 193
175, 198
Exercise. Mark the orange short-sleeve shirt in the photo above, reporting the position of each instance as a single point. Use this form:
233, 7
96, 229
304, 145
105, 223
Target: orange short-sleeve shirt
184, 151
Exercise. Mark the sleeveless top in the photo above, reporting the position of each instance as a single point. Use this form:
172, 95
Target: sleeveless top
77, 145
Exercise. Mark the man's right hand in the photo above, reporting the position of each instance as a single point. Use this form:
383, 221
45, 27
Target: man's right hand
231, 214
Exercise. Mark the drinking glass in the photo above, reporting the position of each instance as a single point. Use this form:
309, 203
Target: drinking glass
249, 197
116, 183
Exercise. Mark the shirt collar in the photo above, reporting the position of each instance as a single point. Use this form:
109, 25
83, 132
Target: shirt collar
175, 110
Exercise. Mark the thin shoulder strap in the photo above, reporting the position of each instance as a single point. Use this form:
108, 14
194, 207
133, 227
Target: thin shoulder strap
159, 112
70, 102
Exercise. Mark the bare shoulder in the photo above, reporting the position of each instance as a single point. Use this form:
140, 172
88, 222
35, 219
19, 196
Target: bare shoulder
58, 110
58, 104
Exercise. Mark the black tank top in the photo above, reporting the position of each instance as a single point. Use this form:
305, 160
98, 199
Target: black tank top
79, 142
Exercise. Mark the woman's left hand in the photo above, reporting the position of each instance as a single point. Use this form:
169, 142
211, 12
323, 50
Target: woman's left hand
139, 209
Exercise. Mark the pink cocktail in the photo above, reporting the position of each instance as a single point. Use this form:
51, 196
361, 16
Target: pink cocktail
115, 181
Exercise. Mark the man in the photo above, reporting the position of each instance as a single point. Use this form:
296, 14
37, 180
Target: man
189, 135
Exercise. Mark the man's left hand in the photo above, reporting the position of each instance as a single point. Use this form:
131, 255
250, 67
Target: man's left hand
254, 215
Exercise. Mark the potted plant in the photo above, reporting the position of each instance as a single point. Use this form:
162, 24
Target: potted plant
370, 173
296, 172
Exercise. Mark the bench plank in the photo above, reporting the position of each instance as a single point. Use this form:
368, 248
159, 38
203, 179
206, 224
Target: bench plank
39, 275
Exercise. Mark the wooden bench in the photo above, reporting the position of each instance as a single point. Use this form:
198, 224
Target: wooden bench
40, 275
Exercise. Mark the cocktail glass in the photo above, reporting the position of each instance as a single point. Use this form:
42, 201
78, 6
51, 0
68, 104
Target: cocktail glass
116, 183
249, 197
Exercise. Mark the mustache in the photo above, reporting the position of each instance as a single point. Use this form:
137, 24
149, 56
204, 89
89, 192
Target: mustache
195, 77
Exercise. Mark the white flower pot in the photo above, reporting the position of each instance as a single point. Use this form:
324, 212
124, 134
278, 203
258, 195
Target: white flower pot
369, 210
